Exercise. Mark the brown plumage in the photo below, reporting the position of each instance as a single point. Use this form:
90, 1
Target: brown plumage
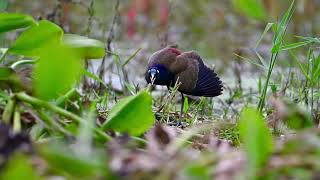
168, 65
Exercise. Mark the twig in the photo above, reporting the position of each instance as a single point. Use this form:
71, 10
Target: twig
110, 38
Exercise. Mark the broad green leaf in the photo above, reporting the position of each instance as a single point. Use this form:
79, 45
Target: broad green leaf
132, 115
251, 8
257, 140
88, 48
56, 71
35, 38
19, 167
10, 21
6, 73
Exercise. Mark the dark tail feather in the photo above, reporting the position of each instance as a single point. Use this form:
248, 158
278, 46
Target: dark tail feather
208, 83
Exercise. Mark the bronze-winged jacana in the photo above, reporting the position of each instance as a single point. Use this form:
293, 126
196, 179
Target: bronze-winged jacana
169, 65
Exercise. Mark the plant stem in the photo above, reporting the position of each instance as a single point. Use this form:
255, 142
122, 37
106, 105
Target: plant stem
65, 97
17, 121
265, 88
40, 103
9, 110
3, 56
51, 122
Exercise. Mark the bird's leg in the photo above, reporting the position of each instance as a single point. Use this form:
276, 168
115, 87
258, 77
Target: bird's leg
182, 104
181, 110
169, 88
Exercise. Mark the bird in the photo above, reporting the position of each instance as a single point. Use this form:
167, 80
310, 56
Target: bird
169, 65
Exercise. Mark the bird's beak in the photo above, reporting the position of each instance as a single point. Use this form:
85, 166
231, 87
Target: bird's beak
152, 78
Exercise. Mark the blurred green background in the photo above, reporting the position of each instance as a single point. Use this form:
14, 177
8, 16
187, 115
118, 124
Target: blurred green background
218, 30
213, 27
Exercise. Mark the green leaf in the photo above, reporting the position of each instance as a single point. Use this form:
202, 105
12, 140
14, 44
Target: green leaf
88, 48
11, 21
301, 66
131, 57
266, 29
312, 39
257, 140
132, 115
251, 8
19, 167
279, 30
3, 53
93, 76
35, 38
282, 27
65, 160
294, 45
131, 88
6, 73
56, 71
197, 171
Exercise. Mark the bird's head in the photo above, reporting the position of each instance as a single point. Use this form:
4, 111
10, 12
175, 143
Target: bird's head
153, 74
157, 73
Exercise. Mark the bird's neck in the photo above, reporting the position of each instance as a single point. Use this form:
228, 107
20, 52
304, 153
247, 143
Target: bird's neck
165, 77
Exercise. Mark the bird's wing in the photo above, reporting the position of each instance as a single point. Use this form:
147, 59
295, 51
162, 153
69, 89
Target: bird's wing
186, 68
206, 83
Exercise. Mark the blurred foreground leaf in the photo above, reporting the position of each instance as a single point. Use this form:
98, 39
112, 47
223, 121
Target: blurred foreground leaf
294, 116
257, 140
58, 68
132, 115
18, 168
64, 160
31, 41
88, 48
11, 21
